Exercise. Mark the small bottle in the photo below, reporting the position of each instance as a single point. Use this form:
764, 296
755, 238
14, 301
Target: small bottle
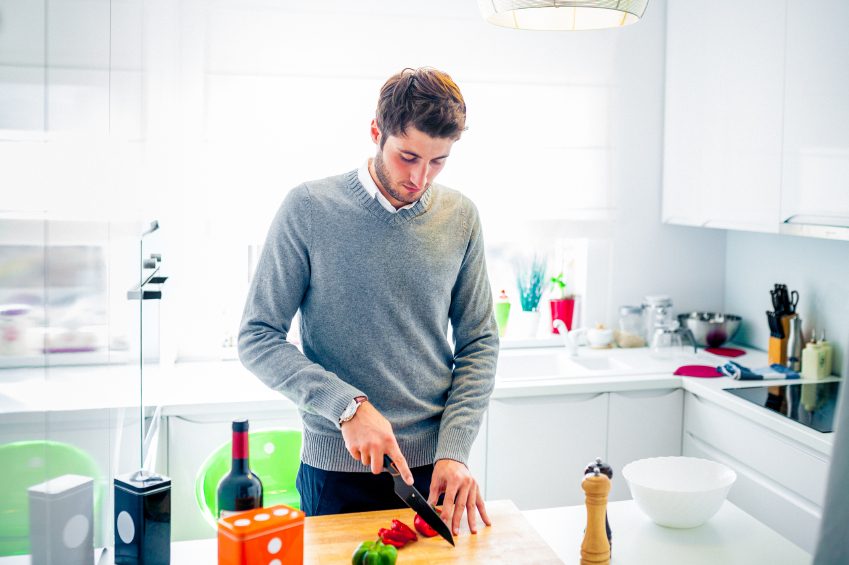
811, 360
240, 489
502, 312
827, 357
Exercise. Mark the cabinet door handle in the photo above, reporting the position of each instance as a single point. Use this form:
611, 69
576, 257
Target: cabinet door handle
550, 398
648, 393
824, 221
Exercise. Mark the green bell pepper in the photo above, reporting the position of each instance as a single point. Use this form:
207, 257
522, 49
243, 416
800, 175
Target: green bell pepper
374, 553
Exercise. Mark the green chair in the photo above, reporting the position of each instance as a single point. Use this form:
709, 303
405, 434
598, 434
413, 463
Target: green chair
27, 463
274, 457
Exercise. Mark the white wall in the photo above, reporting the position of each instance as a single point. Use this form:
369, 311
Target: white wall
817, 268
238, 101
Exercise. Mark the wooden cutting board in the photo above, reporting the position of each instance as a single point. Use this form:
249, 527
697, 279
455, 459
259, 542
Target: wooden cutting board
510, 539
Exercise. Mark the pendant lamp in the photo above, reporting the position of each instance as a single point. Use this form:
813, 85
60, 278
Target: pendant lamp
561, 14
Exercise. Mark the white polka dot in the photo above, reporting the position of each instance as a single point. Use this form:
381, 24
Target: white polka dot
126, 527
261, 517
274, 545
280, 512
242, 522
75, 532
275, 562
268, 448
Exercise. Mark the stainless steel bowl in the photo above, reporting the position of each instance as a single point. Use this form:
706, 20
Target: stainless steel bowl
711, 329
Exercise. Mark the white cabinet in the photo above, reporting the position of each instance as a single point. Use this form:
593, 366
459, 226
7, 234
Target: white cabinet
723, 109
191, 440
642, 424
815, 187
779, 481
537, 447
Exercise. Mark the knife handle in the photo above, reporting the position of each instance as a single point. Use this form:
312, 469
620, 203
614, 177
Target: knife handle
389, 466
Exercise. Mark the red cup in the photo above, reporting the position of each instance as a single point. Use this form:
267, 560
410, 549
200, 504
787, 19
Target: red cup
562, 309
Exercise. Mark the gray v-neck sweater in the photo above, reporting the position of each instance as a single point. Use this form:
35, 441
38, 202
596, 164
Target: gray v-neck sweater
376, 291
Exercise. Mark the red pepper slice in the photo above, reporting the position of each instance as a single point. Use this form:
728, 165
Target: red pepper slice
423, 527
391, 537
405, 530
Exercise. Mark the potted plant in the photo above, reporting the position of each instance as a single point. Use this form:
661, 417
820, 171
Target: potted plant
562, 307
530, 279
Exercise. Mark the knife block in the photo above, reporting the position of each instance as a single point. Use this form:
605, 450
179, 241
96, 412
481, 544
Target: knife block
777, 352
595, 549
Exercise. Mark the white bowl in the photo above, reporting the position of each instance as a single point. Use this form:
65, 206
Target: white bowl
678, 492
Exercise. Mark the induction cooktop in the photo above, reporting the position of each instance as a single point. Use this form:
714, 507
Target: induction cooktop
810, 404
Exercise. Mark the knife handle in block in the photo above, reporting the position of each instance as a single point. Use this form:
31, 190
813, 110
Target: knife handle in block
595, 548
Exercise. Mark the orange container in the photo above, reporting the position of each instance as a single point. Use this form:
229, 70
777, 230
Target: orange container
273, 535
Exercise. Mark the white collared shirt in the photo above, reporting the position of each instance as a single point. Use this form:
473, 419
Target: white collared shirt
368, 183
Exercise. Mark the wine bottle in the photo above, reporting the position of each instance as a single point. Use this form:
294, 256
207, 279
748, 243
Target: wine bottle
240, 489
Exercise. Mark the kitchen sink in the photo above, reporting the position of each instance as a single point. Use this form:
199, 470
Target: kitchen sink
514, 365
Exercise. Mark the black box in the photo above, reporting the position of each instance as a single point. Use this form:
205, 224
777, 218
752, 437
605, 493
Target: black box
142, 519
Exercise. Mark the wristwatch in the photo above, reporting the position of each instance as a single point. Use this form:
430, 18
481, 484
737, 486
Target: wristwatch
351, 409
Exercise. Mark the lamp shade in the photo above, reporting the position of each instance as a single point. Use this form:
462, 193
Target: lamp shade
562, 15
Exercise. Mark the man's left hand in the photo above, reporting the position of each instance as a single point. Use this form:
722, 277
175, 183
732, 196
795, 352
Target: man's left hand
461, 494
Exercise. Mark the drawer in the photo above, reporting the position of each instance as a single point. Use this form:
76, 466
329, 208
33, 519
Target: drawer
780, 509
777, 457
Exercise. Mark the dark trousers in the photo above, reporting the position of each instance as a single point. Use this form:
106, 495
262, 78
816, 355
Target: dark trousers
333, 492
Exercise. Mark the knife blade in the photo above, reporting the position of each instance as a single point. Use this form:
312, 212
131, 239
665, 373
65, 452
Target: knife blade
414, 499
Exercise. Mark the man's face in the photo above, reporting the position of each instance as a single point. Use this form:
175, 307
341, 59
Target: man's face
408, 164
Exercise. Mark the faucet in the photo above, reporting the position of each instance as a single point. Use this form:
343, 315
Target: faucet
569, 337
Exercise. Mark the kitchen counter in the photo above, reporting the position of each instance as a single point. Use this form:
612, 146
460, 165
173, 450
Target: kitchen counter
730, 537
535, 537
187, 389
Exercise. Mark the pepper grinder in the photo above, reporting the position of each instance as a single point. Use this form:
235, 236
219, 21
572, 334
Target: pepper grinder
595, 548
604, 469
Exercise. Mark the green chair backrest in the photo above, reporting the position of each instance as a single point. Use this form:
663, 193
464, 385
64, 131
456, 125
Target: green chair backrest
27, 463
274, 457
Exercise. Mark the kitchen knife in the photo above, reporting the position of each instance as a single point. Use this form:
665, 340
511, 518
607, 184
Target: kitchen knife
414, 499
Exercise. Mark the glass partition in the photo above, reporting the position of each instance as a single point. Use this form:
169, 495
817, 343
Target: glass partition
71, 156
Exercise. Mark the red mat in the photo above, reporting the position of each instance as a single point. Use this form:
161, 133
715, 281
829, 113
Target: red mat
703, 371
726, 351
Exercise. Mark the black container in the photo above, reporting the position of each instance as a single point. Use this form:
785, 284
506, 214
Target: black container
142, 519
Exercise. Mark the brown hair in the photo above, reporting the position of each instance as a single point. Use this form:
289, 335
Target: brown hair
424, 98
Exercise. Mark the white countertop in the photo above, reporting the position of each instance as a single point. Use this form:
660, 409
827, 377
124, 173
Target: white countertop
223, 386
730, 537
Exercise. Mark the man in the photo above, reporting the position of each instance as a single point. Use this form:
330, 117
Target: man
379, 261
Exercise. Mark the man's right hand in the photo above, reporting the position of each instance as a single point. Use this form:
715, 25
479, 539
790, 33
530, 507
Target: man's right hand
368, 436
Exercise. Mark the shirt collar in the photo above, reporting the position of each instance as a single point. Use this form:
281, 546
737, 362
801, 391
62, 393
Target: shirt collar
368, 183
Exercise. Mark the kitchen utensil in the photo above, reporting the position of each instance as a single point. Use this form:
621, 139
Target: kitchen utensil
775, 329
703, 371
631, 328
414, 499
794, 300
333, 537
599, 337
711, 329
678, 492
671, 342
725, 351
794, 344
657, 313
595, 548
